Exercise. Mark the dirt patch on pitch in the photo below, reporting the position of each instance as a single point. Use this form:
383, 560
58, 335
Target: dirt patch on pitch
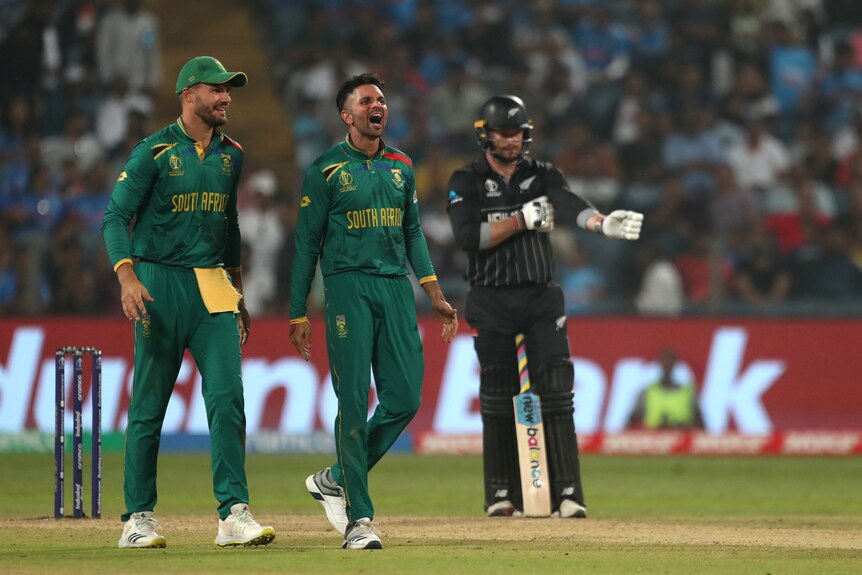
429, 529
625, 532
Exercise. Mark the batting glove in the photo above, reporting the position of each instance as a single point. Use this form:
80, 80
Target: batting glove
622, 224
537, 214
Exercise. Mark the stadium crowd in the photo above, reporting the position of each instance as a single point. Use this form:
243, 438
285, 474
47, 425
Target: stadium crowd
734, 125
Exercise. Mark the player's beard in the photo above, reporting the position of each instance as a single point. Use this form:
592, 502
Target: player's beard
207, 114
509, 155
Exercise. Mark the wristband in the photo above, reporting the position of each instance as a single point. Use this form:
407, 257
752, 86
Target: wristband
520, 222
598, 227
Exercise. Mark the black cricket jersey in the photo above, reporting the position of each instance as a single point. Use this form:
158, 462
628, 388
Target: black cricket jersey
477, 194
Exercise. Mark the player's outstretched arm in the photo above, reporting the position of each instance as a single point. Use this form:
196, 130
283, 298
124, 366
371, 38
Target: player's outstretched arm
621, 225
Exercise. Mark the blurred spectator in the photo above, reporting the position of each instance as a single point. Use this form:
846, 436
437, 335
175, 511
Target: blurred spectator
114, 113
548, 50
128, 47
704, 276
812, 149
317, 79
9, 288
634, 100
732, 209
583, 283
590, 166
22, 48
846, 143
688, 89
641, 157
77, 143
824, 270
792, 71
18, 136
661, 290
650, 38
671, 401
698, 27
793, 212
674, 219
841, 89
459, 97
750, 93
761, 159
762, 279
606, 51
488, 38
88, 208
693, 153
39, 209
262, 226
746, 29
309, 133
604, 45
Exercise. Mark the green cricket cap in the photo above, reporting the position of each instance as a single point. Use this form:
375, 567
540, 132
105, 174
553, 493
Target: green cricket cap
208, 70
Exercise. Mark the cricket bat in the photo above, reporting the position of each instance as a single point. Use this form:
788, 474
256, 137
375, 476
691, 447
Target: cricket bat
532, 456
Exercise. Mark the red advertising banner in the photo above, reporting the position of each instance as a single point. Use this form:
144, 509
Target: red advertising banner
753, 377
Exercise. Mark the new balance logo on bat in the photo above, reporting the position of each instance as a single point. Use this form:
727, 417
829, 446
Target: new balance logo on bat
528, 415
535, 457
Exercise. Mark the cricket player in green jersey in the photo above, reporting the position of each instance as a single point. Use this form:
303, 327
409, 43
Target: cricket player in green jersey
359, 217
180, 185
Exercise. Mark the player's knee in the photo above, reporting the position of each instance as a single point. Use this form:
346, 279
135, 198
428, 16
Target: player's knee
403, 410
497, 385
555, 383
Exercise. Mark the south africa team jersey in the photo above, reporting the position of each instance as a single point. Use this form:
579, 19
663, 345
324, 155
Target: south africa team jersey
358, 214
184, 198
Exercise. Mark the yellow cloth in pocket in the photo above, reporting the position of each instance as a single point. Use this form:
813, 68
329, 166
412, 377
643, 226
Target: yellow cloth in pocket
217, 291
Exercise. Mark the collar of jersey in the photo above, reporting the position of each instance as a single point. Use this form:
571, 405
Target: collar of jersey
217, 133
355, 152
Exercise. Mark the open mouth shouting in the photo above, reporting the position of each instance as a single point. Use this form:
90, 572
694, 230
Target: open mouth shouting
376, 119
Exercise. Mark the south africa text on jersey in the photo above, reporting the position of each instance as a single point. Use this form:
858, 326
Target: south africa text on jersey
203, 201
373, 217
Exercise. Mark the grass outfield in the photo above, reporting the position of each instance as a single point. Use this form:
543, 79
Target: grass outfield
669, 515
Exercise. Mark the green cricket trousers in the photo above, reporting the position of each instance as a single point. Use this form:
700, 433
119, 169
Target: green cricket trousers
370, 327
178, 320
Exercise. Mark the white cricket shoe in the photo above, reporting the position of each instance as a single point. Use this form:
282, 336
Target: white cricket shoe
240, 528
569, 508
361, 535
139, 532
324, 489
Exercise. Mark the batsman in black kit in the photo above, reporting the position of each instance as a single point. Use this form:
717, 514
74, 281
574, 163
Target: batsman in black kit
502, 207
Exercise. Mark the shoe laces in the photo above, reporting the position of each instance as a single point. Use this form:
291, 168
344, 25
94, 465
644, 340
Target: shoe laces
146, 523
363, 527
244, 518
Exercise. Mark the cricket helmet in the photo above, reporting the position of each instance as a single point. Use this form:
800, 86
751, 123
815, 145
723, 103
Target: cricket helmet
504, 112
